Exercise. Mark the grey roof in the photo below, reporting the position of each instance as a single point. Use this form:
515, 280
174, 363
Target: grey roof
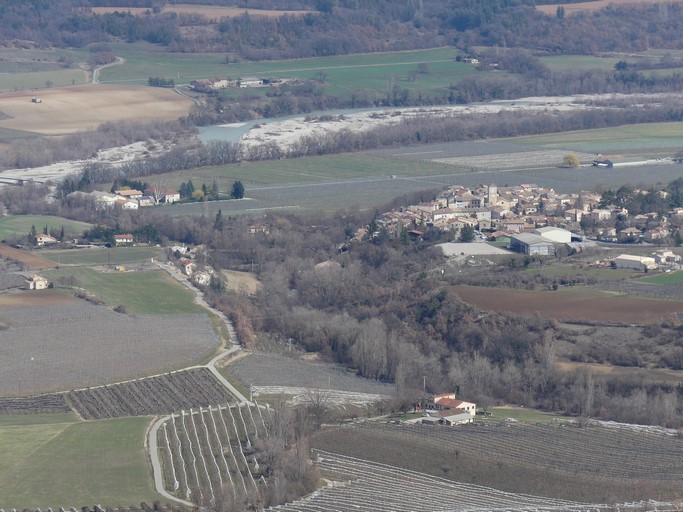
531, 239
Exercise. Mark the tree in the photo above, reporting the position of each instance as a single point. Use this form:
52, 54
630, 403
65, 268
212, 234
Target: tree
237, 190
571, 160
467, 234
218, 222
560, 12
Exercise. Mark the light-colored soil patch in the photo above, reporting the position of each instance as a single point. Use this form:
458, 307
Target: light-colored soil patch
595, 307
210, 11
542, 158
242, 282
592, 6
35, 298
28, 259
73, 109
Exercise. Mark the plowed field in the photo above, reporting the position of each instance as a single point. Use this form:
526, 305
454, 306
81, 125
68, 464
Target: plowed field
72, 109
29, 260
596, 307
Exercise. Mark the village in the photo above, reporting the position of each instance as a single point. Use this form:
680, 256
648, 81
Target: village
535, 221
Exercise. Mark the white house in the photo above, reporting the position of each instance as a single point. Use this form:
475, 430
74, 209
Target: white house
201, 278
37, 282
123, 239
45, 240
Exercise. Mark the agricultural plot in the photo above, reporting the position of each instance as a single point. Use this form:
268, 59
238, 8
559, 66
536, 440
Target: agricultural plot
26, 259
20, 225
670, 279
40, 404
542, 158
606, 453
206, 449
344, 74
591, 305
628, 139
274, 374
162, 394
148, 292
103, 255
9, 281
69, 463
57, 347
364, 485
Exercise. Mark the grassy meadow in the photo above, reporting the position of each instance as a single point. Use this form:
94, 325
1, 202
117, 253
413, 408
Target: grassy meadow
20, 225
636, 138
102, 256
667, 279
63, 462
146, 292
295, 171
342, 74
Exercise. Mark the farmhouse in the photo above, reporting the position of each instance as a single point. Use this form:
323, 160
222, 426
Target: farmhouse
210, 84
250, 82
37, 282
641, 263
665, 256
530, 243
129, 193
170, 196
123, 239
448, 401
45, 240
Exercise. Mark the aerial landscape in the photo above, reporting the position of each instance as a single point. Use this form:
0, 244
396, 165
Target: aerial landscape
341, 255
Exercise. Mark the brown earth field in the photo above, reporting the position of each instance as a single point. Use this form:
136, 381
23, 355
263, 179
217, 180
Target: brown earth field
72, 109
210, 11
592, 6
591, 307
428, 455
35, 298
29, 260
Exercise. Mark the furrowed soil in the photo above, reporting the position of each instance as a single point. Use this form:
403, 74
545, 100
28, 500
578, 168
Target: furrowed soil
35, 298
591, 306
416, 454
72, 109
29, 260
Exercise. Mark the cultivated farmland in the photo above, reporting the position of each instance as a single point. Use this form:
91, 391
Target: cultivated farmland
73, 109
28, 260
592, 464
273, 374
378, 487
155, 395
65, 463
204, 450
102, 255
39, 404
56, 347
591, 304
588, 6
20, 225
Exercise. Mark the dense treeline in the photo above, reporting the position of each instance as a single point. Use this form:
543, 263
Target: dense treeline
349, 26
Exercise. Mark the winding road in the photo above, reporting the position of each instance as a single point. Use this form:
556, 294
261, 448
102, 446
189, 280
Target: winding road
96, 71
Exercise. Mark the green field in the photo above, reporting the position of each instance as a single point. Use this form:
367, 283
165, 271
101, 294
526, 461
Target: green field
32, 69
629, 138
40, 79
578, 62
520, 414
72, 463
141, 292
672, 278
315, 169
342, 74
20, 225
102, 256
7, 135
